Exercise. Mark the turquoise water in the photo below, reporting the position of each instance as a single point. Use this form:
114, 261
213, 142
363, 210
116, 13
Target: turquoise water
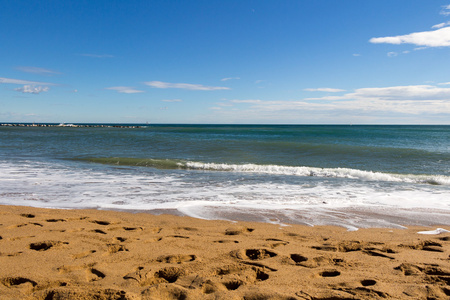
304, 174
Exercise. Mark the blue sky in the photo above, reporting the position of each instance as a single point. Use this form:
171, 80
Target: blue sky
227, 62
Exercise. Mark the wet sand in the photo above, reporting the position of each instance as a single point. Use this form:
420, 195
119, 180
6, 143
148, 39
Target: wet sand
91, 254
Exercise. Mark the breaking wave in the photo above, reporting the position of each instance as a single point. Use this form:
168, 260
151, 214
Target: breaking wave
275, 170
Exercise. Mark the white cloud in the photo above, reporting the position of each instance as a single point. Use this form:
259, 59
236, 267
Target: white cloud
445, 10
410, 92
436, 38
440, 25
31, 89
328, 90
356, 54
396, 104
392, 54
246, 101
37, 70
224, 104
124, 89
186, 86
172, 100
229, 78
444, 83
20, 81
395, 93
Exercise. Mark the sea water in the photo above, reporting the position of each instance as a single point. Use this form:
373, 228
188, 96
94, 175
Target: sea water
351, 176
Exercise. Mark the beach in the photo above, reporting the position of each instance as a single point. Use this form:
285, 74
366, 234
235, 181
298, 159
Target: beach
99, 254
224, 212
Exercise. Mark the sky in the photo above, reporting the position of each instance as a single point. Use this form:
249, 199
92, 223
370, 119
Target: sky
225, 62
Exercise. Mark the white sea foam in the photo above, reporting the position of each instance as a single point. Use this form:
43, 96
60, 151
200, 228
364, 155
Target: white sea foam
320, 172
433, 232
310, 200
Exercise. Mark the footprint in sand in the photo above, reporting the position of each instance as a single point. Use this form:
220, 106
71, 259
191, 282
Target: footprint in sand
104, 223
233, 284
376, 253
253, 254
425, 246
17, 226
368, 282
315, 262
132, 228
274, 243
44, 246
170, 274
114, 248
94, 275
176, 259
165, 291
143, 276
348, 246
258, 273
329, 273
364, 293
298, 258
226, 242
15, 281
178, 236
55, 220
434, 273
238, 230
120, 239
30, 216
234, 276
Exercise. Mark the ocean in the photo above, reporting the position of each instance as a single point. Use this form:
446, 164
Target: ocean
351, 176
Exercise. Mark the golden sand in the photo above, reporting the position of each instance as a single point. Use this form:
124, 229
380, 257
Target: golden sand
91, 254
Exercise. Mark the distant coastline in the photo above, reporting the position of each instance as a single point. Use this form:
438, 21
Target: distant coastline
69, 125
144, 125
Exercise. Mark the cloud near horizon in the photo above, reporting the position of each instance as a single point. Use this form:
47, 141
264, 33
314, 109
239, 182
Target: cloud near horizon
395, 93
36, 70
23, 82
124, 89
435, 38
229, 78
186, 86
172, 100
328, 90
373, 103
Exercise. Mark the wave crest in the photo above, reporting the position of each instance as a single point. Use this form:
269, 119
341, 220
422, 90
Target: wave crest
276, 170
319, 172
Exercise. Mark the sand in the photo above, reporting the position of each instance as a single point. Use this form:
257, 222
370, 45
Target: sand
90, 254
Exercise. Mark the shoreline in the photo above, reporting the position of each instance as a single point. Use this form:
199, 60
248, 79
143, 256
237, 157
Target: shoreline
350, 218
104, 254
